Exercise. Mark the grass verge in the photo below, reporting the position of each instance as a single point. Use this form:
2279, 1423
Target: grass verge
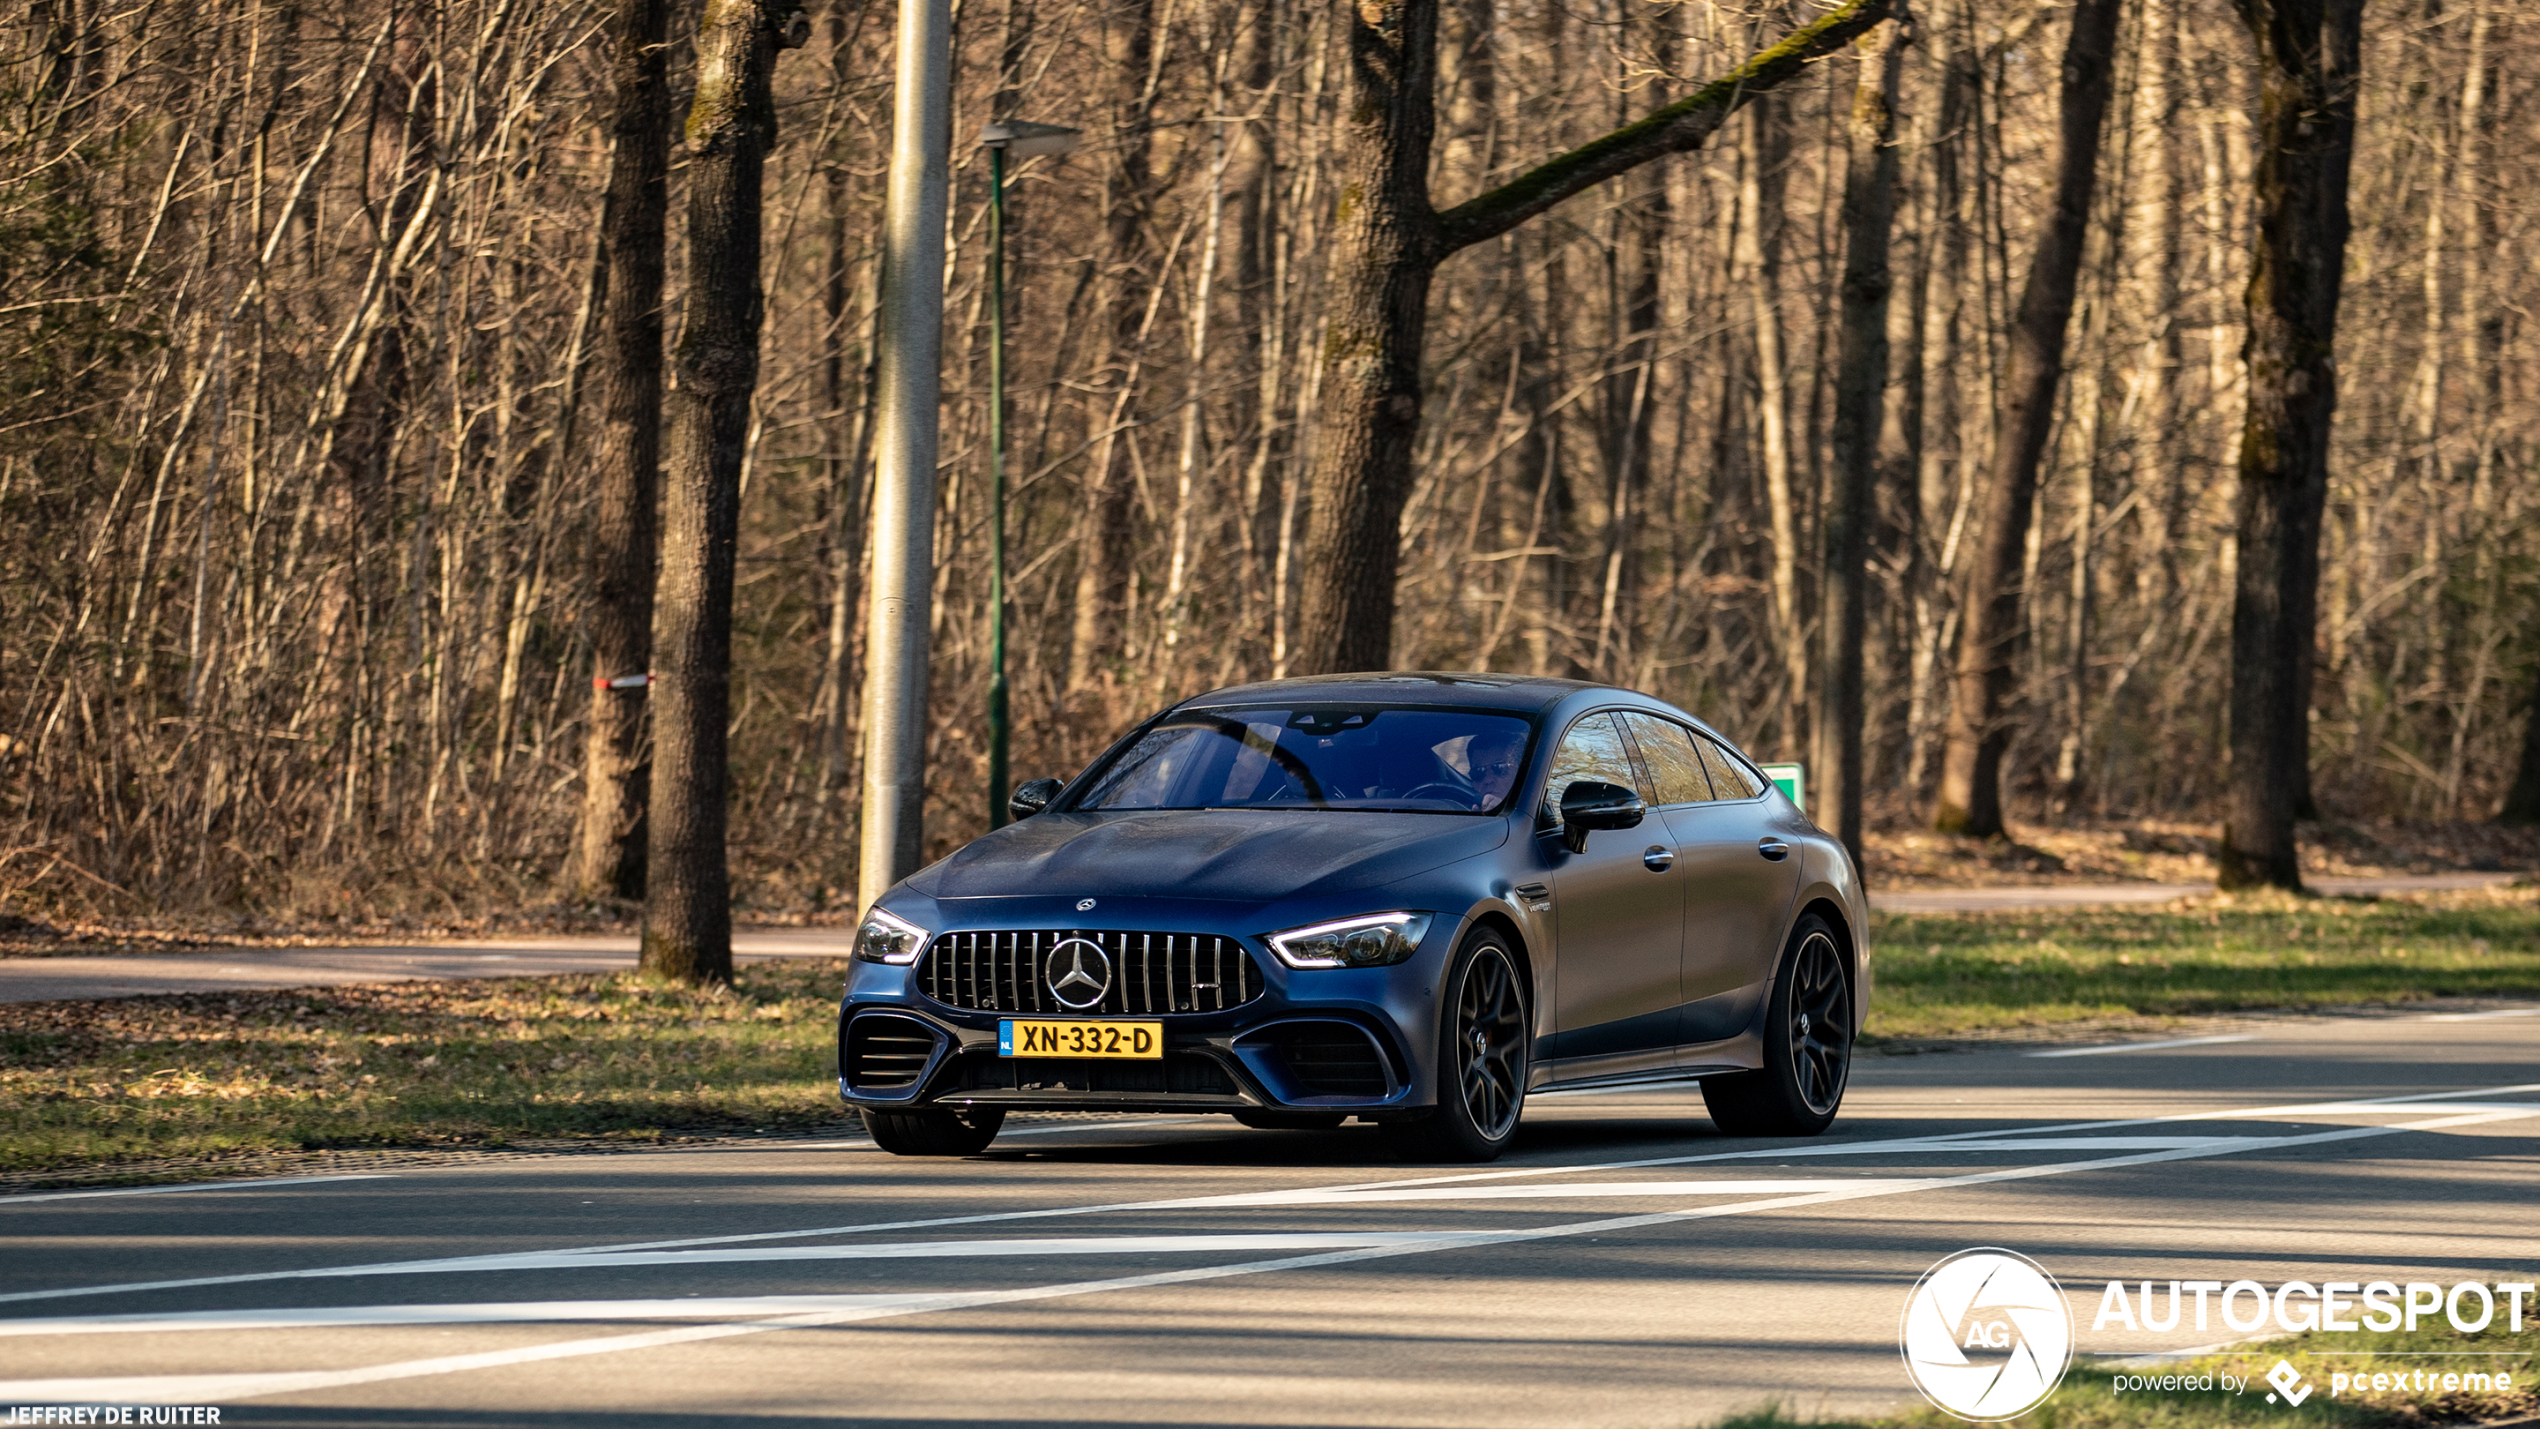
1953, 975
2087, 1399
228, 1076
120, 1090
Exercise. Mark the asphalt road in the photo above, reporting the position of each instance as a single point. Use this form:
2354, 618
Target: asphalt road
47, 979
1625, 1266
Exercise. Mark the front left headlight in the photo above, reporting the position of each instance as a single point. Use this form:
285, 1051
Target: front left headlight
886, 939
1378, 940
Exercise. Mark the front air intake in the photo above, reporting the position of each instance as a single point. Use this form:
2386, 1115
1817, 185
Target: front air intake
1331, 1059
885, 1053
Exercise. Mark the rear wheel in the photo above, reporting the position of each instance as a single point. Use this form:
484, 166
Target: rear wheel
1264, 1120
1807, 1047
1485, 1040
933, 1132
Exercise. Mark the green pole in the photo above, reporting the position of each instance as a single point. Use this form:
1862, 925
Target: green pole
997, 724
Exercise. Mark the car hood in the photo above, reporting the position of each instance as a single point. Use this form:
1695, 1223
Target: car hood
1253, 856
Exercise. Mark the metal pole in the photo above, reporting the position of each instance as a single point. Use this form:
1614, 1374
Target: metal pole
904, 475
997, 722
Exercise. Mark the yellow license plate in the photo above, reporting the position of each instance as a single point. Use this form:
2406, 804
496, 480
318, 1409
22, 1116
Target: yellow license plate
1017, 1037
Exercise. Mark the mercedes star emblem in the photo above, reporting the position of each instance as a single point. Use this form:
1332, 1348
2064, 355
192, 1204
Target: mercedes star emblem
1084, 905
1079, 973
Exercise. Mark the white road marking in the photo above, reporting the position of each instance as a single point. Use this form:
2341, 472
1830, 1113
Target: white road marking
2483, 1016
863, 1143
1898, 1145
221, 1388
190, 1186
2147, 1046
734, 1307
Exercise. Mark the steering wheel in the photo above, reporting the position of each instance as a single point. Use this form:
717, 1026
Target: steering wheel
1455, 792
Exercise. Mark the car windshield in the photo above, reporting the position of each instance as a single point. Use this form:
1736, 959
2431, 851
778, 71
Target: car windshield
1347, 757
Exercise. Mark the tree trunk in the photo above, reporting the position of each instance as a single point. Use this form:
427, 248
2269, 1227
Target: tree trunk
2522, 801
1860, 400
688, 897
2309, 57
1993, 603
1105, 552
609, 848
1389, 244
1760, 195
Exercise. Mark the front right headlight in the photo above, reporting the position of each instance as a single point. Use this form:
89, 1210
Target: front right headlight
887, 939
1371, 942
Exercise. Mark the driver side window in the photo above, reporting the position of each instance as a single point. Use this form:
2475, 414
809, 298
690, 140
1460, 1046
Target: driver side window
1593, 749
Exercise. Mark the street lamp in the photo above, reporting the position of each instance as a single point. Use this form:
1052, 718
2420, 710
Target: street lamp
1023, 141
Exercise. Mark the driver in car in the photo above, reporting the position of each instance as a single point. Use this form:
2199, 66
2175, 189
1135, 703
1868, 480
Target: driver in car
1491, 760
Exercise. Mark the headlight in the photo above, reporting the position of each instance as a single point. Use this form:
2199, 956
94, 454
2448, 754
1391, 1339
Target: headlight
1371, 942
885, 939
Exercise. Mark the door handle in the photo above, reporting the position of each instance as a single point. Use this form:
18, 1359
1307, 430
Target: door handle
1773, 849
1658, 858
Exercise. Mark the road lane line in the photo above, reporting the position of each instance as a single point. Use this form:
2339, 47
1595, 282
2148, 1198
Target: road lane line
2146, 1046
190, 1186
1898, 1145
221, 1388
2482, 1016
699, 1307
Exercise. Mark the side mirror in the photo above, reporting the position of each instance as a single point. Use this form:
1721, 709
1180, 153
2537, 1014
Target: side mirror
1033, 797
1593, 804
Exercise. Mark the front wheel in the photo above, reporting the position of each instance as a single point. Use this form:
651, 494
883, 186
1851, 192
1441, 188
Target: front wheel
1485, 1039
1807, 1047
933, 1132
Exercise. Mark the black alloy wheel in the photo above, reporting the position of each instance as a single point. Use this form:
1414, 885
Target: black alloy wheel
1807, 1046
1482, 1057
933, 1131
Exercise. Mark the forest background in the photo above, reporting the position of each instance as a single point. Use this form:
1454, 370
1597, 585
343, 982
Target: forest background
300, 308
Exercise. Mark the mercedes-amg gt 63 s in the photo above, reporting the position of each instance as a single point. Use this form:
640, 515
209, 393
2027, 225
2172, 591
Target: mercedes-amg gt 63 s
1408, 898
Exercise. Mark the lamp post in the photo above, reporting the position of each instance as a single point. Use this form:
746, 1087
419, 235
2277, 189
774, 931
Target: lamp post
1022, 141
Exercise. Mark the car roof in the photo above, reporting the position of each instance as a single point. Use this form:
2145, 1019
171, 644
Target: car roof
1420, 687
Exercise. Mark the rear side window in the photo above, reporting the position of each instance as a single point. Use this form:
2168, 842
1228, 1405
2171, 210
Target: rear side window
1728, 774
1675, 766
1593, 749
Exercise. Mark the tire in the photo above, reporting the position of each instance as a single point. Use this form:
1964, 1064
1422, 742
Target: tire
1808, 1027
1265, 1120
934, 1132
1481, 1087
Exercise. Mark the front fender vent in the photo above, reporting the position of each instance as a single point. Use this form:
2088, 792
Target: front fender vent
1149, 973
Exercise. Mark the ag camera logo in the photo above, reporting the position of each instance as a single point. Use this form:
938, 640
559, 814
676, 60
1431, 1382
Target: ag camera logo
1987, 1335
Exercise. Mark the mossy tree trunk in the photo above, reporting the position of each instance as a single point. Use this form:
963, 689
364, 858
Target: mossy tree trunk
688, 892
1391, 241
609, 850
1993, 604
2309, 64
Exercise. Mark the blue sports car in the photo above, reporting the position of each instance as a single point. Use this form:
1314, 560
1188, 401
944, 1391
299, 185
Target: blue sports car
1408, 898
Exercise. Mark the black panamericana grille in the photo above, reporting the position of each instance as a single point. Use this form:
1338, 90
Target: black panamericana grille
1151, 973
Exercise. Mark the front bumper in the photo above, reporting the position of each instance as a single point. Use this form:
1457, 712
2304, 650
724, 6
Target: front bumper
1346, 1040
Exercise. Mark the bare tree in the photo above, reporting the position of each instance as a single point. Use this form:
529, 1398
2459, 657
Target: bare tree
1993, 598
731, 126
1392, 241
2310, 61
609, 850
1860, 402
